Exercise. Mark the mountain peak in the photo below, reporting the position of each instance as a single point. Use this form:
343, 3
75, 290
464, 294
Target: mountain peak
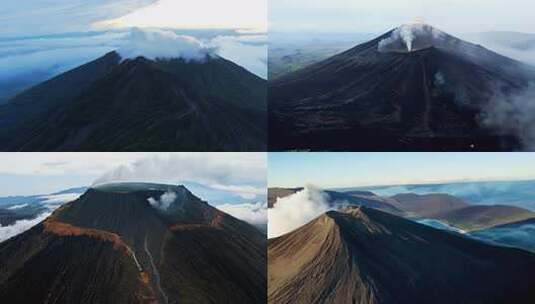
348, 256
132, 252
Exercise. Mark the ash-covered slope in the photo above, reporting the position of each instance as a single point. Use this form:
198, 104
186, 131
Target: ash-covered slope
385, 94
133, 244
363, 255
140, 105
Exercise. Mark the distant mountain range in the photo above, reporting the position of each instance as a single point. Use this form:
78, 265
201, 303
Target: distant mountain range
363, 255
439, 210
135, 243
432, 96
111, 104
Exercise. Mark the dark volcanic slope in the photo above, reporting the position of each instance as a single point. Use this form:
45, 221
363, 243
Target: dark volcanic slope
482, 217
367, 256
366, 99
112, 246
140, 105
427, 205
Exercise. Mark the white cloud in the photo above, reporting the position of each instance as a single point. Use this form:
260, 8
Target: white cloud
25, 62
223, 170
250, 51
51, 202
244, 191
22, 163
157, 43
253, 213
452, 16
196, 14
15, 207
294, 211
20, 226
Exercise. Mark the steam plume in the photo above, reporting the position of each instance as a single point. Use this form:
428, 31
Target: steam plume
164, 201
294, 211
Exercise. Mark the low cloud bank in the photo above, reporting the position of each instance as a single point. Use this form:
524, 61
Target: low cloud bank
27, 61
253, 213
50, 202
7, 232
513, 114
294, 211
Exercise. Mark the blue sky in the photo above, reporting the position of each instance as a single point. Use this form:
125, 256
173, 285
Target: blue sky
363, 169
455, 16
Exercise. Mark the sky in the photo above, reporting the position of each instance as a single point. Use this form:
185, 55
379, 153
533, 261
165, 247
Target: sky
242, 175
454, 16
40, 39
43, 17
332, 170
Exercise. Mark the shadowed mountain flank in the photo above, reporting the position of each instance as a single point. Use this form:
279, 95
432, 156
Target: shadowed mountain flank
140, 105
384, 95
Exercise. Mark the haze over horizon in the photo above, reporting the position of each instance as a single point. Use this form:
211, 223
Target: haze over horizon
453, 16
340, 170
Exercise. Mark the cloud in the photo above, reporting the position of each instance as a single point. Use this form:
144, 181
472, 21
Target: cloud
159, 44
294, 211
241, 173
20, 226
513, 114
164, 201
380, 15
246, 191
253, 213
53, 201
50, 202
39, 17
27, 61
230, 14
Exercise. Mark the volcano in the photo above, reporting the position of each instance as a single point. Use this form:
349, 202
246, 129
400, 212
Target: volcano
116, 104
362, 255
135, 243
414, 88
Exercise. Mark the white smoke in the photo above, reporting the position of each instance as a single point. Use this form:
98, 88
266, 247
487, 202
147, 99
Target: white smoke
164, 201
403, 38
513, 115
51, 202
254, 213
294, 211
160, 44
